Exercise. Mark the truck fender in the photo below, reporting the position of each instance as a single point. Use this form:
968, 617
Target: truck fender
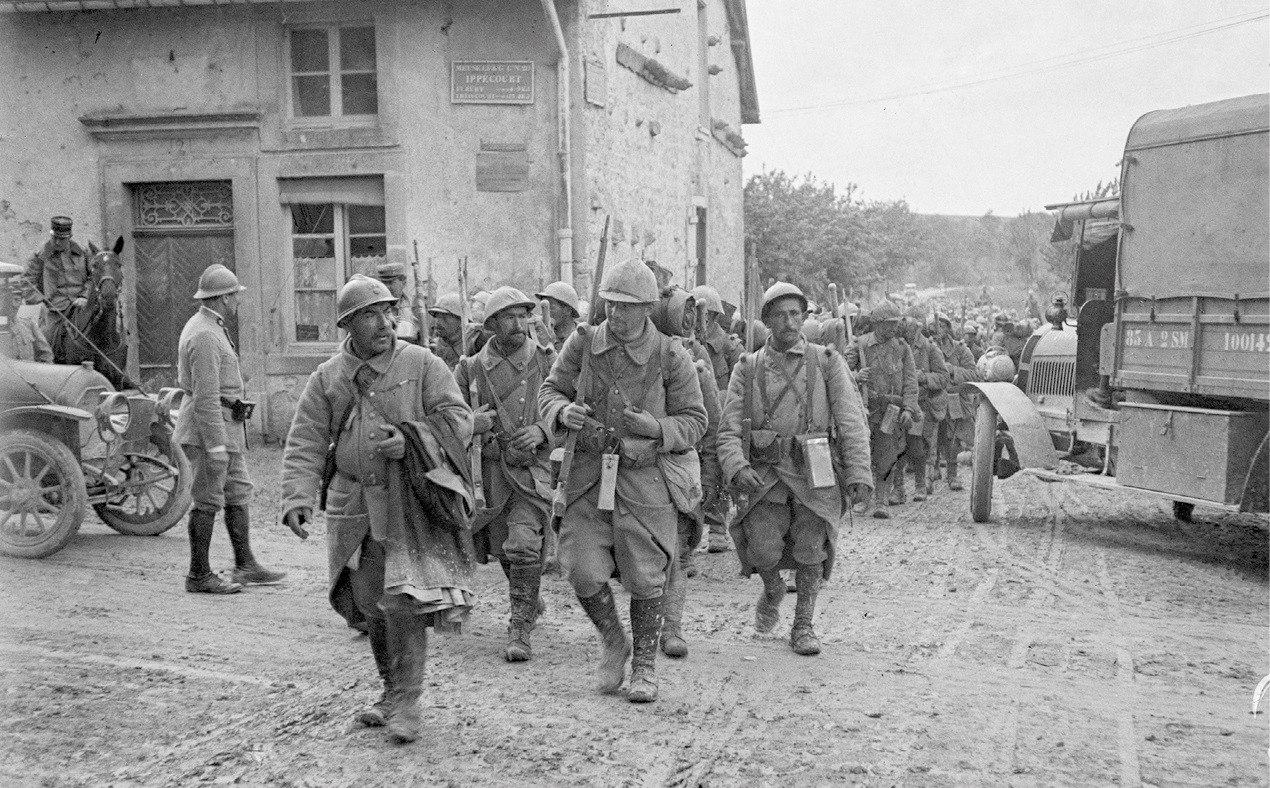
1256, 497
59, 412
1031, 438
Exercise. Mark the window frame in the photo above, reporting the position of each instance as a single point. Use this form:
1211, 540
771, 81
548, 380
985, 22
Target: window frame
335, 76
342, 243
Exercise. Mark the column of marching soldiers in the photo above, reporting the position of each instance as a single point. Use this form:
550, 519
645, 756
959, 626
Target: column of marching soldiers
598, 440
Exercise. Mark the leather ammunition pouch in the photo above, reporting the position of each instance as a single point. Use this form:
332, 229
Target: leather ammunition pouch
637, 452
767, 447
239, 409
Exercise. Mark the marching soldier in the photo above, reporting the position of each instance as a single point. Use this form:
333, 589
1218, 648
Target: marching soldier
58, 270
452, 339
795, 406
515, 443
393, 275
211, 428
349, 436
971, 334
563, 302
638, 412
723, 351
883, 366
958, 429
932, 404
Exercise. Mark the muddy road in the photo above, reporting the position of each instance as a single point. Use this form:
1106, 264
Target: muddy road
1082, 638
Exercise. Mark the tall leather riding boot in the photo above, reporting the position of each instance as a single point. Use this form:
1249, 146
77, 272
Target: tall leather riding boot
767, 609
672, 610
246, 570
881, 494
602, 611
377, 715
802, 638
899, 482
646, 627
408, 650
201, 579
523, 584
919, 479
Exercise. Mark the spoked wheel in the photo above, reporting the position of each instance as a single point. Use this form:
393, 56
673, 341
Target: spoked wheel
984, 461
42, 497
149, 488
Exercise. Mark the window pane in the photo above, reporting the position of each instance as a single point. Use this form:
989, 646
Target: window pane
315, 273
312, 219
357, 49
309, 51
359, 94
361, 245
313, 247
312, 96
315, 316
364, 219
366, 264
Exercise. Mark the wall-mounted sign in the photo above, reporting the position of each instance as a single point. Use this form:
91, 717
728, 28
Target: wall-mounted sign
492, 82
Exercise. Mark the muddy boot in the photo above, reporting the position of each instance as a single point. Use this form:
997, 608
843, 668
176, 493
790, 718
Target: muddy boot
408, 647
920, 490
377, 715
646, 626
201, 579
953, 482
602, 611
802, 638
689, 562
672, 610
767, 609
523, 582
899, 480
881, 493
246, 570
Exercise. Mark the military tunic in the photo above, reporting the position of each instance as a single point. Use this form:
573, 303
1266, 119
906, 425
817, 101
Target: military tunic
932, 396
724, 351
892, 381
60, 276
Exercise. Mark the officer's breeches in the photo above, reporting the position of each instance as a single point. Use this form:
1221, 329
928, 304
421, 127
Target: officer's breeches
217, 485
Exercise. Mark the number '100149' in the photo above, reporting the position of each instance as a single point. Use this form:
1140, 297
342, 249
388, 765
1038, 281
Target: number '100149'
1246, 341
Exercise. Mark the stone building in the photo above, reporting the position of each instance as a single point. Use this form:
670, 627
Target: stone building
300, 142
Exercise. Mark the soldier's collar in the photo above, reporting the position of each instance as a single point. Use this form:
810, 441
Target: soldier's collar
212, 313
640, 350
379, 364
519, 358
799, 348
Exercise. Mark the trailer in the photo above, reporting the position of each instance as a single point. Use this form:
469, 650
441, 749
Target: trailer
1159, 380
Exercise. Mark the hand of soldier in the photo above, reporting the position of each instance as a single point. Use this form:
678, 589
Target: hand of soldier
80, 303
641, 422
526, 439
394, 446
906, 420
862, 375
859, 493
572, 416
296, 518
747, 479
484, 421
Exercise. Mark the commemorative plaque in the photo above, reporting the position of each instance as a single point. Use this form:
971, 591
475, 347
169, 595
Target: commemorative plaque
492, 82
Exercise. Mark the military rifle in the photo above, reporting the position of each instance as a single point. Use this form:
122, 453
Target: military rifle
473, 389
419, 303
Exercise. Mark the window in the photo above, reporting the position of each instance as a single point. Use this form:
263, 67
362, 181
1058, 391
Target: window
329, 243
333, 72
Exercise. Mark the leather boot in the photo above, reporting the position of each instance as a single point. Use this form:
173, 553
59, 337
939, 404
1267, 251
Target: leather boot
246, 570
602, 611
919, 480
953, 482
881, 493
898, 483
802, 638
201, 579
523, 584
767, 609
377, 715
408, 650
646, 624
672, 609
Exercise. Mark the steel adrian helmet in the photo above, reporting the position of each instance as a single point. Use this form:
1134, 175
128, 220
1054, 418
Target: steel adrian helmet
358, 292
781, 290
217, 280
447, 304
505, 298
629, 282
562, 292
971, 327
885, 312
710, 296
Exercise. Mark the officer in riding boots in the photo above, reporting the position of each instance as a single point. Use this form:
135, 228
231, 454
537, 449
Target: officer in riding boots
211, 428
639, 413
515, 442
932, 404
58, 270
393, 275
883, 367
793, 442
347, 448
562, 300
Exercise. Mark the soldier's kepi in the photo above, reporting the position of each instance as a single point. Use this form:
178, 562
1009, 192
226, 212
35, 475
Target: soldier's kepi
806, 460
641, 411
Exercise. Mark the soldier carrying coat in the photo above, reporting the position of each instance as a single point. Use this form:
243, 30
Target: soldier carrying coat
794, 404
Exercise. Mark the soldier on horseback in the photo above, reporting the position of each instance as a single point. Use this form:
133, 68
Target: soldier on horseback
58, 270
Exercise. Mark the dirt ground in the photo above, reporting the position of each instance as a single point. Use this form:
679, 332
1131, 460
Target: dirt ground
1081, 638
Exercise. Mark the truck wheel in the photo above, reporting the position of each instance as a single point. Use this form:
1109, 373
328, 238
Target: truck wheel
154, 492
42, 496
983, 461
1183, 510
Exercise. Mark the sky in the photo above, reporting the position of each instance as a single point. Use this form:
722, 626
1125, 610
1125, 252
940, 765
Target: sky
875, 93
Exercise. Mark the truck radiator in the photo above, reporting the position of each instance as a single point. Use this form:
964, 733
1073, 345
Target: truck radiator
1056, 378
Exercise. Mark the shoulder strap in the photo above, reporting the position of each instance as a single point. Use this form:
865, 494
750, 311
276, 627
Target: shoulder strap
813, 368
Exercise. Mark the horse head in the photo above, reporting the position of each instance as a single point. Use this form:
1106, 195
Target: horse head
105, 272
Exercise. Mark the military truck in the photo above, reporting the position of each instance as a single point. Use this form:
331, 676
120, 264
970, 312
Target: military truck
1158, 379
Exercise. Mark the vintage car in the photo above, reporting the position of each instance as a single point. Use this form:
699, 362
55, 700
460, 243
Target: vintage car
69, 440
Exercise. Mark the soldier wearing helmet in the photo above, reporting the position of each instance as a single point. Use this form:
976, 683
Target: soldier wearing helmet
501, 384
883, 366
957, 430
723, 350
452, 340
347, 450
793, 441
932, 403
970, 335
393, 275
562, 301
211, 429
639, 410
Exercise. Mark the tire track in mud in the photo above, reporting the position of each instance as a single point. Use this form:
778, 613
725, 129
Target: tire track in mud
1126, 735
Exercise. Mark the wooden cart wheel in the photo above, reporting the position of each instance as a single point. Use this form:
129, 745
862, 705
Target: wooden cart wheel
42, 496
983, 465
